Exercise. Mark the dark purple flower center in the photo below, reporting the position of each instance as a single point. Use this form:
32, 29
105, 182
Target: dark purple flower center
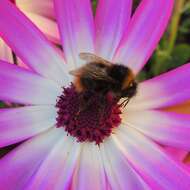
88, 116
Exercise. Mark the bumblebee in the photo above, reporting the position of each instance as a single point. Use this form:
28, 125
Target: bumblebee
102, 76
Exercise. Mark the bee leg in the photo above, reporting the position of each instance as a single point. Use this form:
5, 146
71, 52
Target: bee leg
125, 102
84, 103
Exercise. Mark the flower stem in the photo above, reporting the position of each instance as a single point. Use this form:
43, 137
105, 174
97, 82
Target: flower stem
163, 54
179, 4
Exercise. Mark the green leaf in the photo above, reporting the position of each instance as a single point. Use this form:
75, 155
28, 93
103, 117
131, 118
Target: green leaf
160, 64
179, 56
2, 105
185, 27
164, 62
143, 75
186, 8
94, 5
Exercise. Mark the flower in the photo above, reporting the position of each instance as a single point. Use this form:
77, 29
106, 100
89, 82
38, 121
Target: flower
42, 14
131, 157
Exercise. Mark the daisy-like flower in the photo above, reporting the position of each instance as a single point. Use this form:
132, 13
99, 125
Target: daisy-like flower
42, 14
121, 148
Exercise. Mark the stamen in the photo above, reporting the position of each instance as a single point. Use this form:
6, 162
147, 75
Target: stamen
88, 116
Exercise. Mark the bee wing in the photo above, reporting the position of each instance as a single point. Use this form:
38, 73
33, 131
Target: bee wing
90, 57
76, 72
92, 71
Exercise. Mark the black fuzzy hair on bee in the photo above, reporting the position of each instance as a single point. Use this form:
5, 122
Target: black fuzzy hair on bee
100, 75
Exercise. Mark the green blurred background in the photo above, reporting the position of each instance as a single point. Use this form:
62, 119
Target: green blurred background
172, 51
174, 48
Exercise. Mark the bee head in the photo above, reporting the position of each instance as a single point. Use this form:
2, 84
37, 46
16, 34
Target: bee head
118, 72
129, 91
126, 86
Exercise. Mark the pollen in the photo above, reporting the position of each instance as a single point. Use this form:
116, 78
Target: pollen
87, 116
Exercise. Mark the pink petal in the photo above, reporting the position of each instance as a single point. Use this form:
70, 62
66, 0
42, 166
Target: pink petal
188, 166
144, 32
44, 8
5, 52
30, 44
167, 89
76, 26
111, 20
19, 166
90, 167
57, 169
148, 159
18, 124
118, 170
176, 153
23, 86
46, 25
166, 128
20, 63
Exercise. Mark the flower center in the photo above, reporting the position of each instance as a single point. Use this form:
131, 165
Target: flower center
87, 116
